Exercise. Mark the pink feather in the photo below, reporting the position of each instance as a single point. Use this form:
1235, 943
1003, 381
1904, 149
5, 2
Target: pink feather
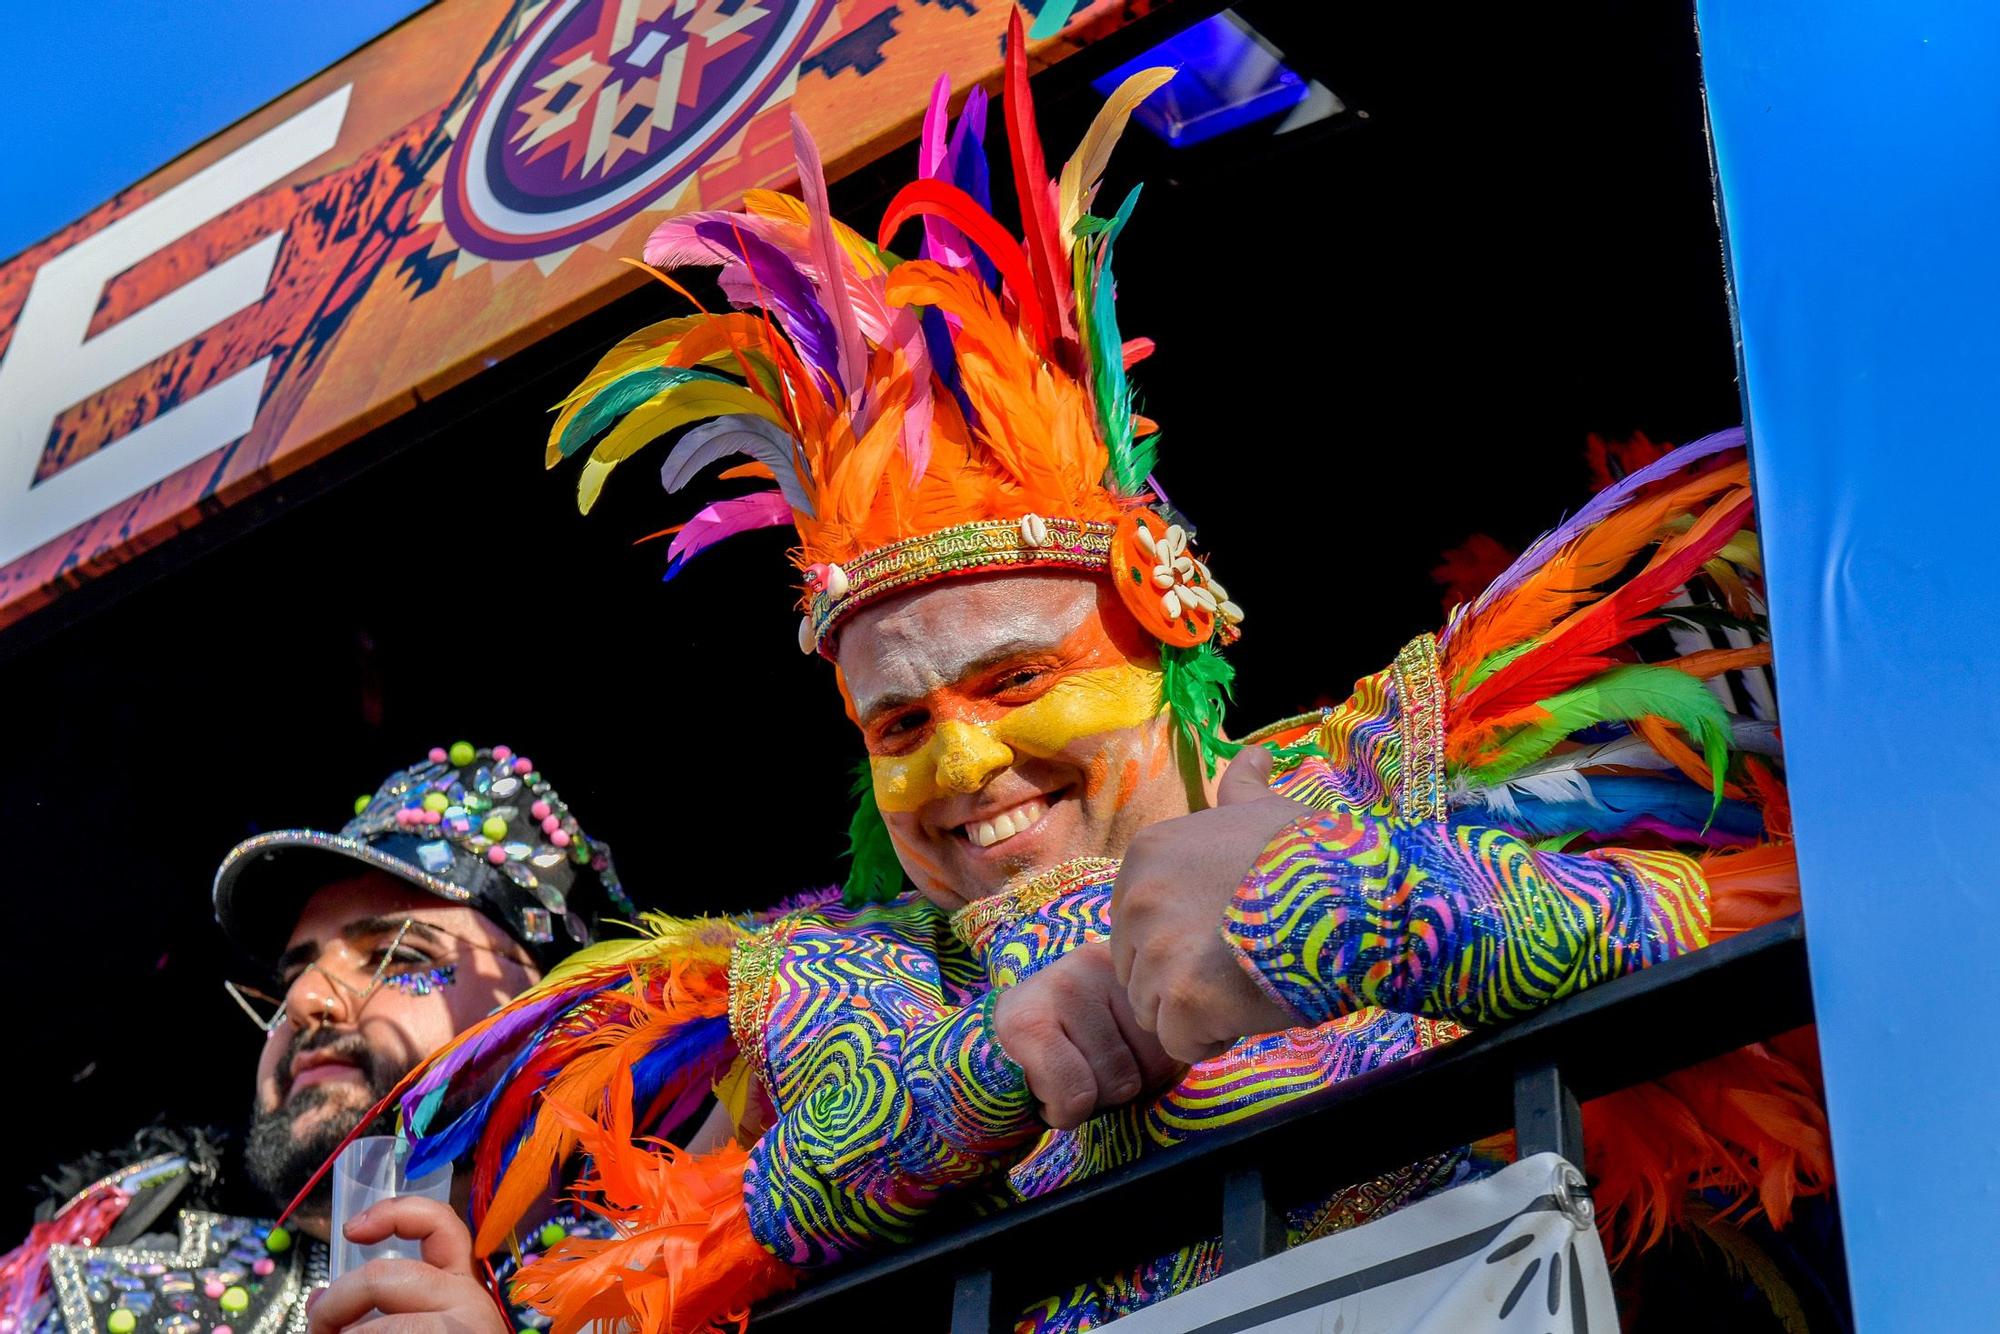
942, 241
724, 519
674, 243
832, 265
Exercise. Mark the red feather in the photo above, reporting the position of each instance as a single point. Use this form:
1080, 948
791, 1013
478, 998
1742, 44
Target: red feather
938, 199
1031, 183
1571, 652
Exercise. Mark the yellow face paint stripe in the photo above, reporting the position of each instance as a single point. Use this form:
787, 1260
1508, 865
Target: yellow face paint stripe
1083, 704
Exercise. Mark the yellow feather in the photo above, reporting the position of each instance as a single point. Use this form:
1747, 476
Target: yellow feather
692, 401
1080, 174
732, 1091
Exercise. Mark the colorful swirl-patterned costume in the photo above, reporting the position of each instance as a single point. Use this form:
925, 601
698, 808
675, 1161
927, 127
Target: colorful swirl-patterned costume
1454, 919
1465, 853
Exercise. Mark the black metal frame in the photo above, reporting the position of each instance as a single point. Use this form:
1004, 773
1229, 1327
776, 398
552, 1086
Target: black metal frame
1529, 1075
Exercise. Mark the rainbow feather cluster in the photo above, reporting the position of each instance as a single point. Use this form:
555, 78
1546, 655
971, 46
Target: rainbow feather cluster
884, 397
645, 1017
1558, 726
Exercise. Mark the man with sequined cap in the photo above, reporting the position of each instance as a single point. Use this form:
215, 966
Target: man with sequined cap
1030, 645
459, 883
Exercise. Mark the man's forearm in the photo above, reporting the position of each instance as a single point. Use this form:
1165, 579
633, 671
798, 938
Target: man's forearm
1455, 920
898, 1119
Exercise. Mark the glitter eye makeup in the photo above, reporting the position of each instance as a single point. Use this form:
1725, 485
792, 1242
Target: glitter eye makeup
425, 981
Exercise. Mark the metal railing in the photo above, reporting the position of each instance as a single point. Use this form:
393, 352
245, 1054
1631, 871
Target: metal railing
1235, 1182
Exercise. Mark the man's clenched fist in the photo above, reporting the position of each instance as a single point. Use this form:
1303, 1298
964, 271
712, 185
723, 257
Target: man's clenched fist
1183, 981
1071, 1031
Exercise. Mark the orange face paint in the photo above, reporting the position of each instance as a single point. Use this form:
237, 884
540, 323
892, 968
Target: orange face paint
1096, 774
1128, 783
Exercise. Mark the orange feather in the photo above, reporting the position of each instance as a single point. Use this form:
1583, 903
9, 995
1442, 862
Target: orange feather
1749, 887
1570, 578
1750, 1123
686, 1260
1664, 737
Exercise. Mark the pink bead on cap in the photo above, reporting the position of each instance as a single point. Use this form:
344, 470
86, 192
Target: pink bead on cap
503, 752
438, 755
496, 855
560, 838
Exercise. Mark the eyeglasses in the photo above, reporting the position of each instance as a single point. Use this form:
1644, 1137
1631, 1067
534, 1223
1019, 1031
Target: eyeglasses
267, 1012
422, 974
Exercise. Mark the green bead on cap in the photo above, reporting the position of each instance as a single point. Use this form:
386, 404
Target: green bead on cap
235, 1299
462, 753
278, 1242
361, 802
494, 828
552, 1233
122, 1321
436, 801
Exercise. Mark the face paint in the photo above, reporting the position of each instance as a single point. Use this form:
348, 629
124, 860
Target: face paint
1011, 724
966, 749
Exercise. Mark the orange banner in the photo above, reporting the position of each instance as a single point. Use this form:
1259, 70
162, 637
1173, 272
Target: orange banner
442, 198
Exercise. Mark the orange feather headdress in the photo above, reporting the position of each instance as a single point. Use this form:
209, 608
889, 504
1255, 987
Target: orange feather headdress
962, 412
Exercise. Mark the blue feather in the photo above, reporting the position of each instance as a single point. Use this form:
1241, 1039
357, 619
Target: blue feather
429, 1152
1623, 800
691, 1045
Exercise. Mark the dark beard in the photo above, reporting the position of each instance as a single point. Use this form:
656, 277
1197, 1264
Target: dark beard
278, 1157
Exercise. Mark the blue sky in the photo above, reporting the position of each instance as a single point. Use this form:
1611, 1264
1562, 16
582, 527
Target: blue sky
98, 93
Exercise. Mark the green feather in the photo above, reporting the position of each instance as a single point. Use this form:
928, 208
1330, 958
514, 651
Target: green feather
619, 397
1130, 464
1619, 695
1195, 683
874, 873
1494, 661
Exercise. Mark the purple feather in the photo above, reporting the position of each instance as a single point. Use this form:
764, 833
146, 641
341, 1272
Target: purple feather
851, 351
501, 1035
965, 167
786, 293
1603, 503
942, 241
726, 518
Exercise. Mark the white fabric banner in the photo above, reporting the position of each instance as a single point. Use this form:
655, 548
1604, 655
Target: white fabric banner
1517, 1252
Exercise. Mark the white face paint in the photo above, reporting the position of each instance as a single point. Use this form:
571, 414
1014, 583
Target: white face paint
902, 650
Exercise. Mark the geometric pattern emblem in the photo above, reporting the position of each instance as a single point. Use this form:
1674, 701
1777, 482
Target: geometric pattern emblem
602, 106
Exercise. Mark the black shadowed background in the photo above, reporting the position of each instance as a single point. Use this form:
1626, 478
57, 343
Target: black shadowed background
1377, 335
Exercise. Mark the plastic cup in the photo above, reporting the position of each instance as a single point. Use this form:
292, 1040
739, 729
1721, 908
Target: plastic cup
371, 1169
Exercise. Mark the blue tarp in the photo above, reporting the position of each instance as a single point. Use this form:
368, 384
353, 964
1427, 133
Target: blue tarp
1858, 145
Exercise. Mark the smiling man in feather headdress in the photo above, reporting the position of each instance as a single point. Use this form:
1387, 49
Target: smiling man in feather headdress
1030, 646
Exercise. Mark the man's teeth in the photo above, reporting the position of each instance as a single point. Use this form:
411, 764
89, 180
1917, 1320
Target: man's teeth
985, 833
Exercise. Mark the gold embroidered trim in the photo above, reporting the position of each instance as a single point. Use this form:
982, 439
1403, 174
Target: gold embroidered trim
753, 967
1420, 708
989, 544
976, 922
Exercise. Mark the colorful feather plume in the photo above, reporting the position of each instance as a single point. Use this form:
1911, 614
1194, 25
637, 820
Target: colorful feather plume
626, 1032
983, 379
1561, 721
1548, 659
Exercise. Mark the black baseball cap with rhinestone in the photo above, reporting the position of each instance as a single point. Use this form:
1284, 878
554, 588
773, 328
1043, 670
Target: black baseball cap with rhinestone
478, 826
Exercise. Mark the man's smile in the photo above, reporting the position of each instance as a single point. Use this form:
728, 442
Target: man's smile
1000, 826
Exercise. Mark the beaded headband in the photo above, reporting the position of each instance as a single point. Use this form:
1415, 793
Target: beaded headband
1167, 588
